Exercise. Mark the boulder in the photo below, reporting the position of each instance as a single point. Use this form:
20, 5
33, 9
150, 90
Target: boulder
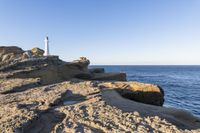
37, 52
109, 76
140, 92
97, 70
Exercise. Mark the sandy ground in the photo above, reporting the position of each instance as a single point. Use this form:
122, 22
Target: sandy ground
83, 107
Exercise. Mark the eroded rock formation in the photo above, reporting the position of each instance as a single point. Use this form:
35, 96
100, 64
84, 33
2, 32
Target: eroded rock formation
82, 106
140, 92
37, 52
9, 54
46, 94
50, 69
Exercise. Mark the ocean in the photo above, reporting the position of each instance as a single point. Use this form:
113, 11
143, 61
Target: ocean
181, 84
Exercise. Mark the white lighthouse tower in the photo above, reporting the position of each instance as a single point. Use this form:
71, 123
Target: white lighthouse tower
46, 41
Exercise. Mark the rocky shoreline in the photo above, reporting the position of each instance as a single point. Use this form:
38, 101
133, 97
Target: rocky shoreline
46, 94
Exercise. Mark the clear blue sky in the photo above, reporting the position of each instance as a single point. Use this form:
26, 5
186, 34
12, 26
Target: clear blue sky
106, 31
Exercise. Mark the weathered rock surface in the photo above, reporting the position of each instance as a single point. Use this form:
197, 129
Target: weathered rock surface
37, 52
13, 54
9, 54
80, 106
35, 97
50, 69
140, 92
8, 50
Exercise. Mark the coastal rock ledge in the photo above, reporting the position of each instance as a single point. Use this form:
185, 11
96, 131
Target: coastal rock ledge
45, 94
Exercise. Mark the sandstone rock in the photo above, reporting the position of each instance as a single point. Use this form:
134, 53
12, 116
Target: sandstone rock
27, 55
79, 107
10, 49
49, 69
109, 76
97, 70
82, 63
140, 92
10, 52
7, 57
37, 52
31, 64
26, 104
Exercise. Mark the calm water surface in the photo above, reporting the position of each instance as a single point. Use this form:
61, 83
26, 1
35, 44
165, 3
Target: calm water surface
180, 83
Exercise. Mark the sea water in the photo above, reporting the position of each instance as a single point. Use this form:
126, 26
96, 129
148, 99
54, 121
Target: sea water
181, 84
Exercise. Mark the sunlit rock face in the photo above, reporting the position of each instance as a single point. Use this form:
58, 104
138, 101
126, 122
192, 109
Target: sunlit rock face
32, 64
45, 94
37, 52
77, 105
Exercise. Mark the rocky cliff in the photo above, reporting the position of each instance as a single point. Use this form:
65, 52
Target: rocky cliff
46, 94
37, 66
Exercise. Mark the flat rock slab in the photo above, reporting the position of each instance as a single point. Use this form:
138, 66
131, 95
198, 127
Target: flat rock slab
42, 109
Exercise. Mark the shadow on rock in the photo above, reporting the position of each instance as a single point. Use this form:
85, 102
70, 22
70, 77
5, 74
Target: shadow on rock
180, 118
46, 120
44, 123
68, 98
153, 98
22, 88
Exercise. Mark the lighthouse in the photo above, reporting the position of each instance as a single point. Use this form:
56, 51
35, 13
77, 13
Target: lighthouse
46, 41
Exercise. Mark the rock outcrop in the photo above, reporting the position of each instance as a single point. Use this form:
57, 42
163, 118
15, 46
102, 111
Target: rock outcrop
50, 69
37, 52
82, 106
140, 92
12, 54
45, 94
9, 54
10, 50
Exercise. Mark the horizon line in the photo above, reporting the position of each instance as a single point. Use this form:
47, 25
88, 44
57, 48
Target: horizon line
144, 65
